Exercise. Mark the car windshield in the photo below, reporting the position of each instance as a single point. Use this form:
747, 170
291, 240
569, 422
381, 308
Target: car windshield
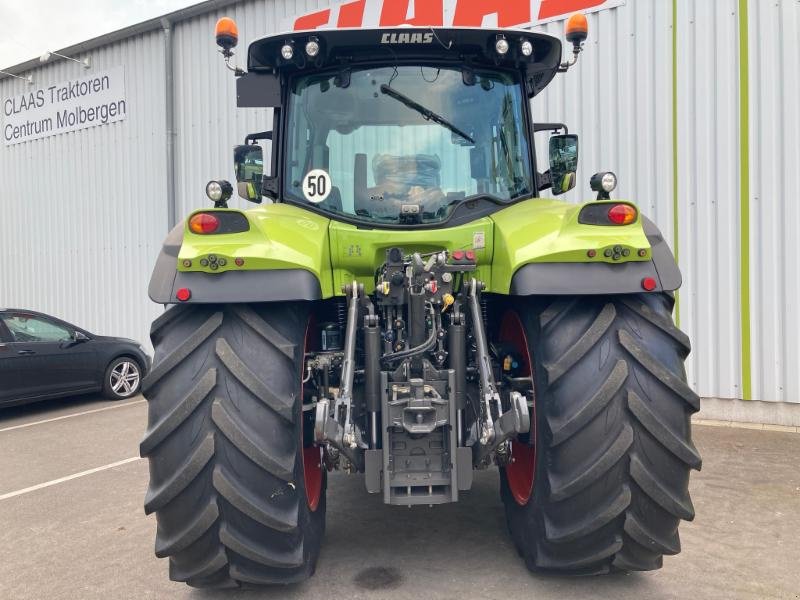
406, 145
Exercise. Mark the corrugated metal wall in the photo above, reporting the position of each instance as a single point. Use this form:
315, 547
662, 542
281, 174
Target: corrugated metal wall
208, 122
709, 193
775, 198
84, 213
619, 99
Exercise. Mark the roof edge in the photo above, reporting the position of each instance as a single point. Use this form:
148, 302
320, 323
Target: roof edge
153, 24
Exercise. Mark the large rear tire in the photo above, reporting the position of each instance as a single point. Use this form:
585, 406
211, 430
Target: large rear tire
609, 467
229, 473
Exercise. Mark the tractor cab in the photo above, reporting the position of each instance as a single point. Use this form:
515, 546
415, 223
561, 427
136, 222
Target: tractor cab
400, 127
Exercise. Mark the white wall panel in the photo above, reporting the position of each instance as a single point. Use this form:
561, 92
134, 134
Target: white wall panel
618, 99
775, 198
708, 192
208, 122
84, 213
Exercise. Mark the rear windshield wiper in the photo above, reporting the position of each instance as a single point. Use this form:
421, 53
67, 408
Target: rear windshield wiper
427, 113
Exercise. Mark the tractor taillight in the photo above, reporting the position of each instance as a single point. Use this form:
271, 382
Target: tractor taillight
203, 223
622, 214
608, 214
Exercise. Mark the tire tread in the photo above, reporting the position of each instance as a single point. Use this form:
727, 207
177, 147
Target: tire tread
614, 414
223, 442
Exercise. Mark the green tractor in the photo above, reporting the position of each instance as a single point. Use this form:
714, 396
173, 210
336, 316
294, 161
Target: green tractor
406, 308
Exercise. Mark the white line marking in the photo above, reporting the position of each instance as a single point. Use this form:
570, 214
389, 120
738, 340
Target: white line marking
86, 412
39, 486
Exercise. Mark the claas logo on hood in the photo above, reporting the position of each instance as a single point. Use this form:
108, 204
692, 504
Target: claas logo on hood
407, 38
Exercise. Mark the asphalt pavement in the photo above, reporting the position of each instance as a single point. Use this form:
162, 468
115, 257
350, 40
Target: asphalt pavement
72, 525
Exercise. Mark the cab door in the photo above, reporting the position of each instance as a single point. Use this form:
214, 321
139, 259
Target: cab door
45, 360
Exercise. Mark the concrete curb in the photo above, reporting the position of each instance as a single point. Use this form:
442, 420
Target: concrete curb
743, 425
754, 413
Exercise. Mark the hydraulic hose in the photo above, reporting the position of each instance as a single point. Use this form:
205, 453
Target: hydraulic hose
424, 347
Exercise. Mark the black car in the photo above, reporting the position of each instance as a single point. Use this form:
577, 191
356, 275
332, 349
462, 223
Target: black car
43, 357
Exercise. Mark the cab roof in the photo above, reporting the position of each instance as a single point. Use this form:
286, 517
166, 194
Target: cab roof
470, 47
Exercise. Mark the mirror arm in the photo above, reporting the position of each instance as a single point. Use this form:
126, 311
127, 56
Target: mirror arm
254, 137
270, 186
554, 127
543, 181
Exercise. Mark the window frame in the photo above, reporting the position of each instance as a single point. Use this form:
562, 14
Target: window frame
50, 321
477, 210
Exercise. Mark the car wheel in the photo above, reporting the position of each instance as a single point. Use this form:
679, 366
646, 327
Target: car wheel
123, 378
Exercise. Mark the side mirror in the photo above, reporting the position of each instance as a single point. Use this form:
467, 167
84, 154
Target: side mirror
563, 162
78, 338
249, 164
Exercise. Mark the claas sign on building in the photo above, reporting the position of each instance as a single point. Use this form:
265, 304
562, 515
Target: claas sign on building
444, 13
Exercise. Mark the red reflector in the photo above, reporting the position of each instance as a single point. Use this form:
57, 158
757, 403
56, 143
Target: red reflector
622, 214
649, 284
471, 255
203, 223
183, 294
458, 255
239, 262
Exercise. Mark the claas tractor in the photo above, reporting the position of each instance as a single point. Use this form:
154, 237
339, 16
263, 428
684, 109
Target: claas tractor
402, 305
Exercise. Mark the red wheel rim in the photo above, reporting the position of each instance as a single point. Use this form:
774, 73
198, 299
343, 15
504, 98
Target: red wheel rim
312, 475
312, 455
521, 470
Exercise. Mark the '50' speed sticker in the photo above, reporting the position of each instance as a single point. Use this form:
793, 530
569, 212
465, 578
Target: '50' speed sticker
316, 186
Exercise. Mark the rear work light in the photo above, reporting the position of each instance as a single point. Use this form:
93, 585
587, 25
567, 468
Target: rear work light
203, 223
608, 214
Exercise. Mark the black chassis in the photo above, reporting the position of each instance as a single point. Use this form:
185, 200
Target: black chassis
413, 396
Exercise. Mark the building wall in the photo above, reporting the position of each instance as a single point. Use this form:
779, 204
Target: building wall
85, 212
774, 162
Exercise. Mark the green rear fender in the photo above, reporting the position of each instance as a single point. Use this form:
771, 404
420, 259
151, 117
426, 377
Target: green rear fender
535, 247
542, 248
285, 255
